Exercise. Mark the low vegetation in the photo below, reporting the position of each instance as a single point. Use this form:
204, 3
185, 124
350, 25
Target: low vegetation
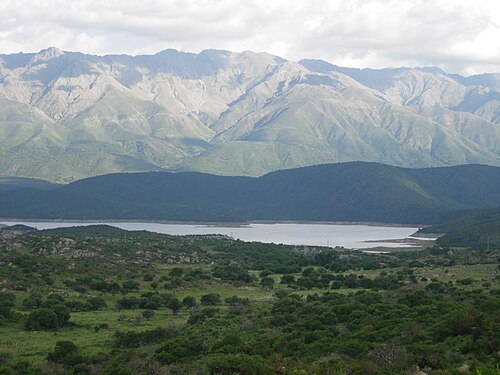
99, 300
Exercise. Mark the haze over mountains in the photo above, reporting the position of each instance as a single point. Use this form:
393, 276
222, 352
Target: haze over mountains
67, 115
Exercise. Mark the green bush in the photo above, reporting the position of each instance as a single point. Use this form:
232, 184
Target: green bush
189, 302
210, 299
7, 302
42, 319
180, 348
241, 364
65, 353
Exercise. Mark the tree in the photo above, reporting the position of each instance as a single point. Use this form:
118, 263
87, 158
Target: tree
7, 302
281, 294
65, 353
97, 303
232, 273
267, 282
127, 303
287, 279
148, 314
309, 271
176, 272
42, 319
179, 348
174, 305
189, 302
210, 299
130, 285
265, 273
34, 301
7, 299
243, 364
63, 314
150, 301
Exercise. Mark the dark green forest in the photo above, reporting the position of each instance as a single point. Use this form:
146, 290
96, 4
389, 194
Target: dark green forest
356, 191
477, 229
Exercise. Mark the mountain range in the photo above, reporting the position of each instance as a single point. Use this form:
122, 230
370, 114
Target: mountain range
353, 191
67, 115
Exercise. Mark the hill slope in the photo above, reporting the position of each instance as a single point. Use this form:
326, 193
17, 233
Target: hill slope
477, 229
353, 191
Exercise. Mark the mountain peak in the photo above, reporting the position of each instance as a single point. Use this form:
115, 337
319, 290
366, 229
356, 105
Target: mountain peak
47, 54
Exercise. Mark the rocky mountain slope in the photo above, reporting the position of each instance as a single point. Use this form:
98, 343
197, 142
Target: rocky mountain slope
67, 115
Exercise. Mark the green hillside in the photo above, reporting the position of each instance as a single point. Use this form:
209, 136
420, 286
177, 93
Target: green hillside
478, 229
336, 192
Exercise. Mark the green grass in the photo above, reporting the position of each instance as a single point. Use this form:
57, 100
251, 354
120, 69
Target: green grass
477, 272
33, 346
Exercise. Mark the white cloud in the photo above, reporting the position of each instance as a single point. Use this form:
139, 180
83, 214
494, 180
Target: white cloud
457, 35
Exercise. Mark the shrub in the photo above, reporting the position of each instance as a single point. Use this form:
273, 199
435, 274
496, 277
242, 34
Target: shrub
243, 364
287, 279
174, 305
7, 302
127, 303
65, 353
189, 302
42, 319
130, 285
34, 301
63, 314
179, 348
210, 299
148, 314
176, 272
267, 282
97, 303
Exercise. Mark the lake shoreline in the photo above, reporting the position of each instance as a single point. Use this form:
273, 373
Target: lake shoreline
228, 224
327, 234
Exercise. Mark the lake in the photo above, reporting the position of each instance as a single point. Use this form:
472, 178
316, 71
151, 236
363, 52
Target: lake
348, 235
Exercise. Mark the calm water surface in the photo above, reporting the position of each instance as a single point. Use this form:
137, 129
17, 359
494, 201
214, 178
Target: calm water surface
349, 236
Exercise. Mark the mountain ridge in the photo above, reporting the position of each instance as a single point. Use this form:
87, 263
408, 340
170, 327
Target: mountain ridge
67, 115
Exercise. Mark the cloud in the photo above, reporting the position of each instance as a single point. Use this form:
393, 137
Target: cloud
456, 35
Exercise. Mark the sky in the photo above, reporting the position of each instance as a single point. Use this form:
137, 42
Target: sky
459, 36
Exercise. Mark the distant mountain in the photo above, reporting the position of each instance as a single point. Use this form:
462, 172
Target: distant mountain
428, 88
67, 115
354, 191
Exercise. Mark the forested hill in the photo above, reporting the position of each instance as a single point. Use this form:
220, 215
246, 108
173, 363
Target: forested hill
477, 229
355, 191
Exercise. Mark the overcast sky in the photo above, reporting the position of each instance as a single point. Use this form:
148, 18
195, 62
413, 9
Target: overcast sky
460, 36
